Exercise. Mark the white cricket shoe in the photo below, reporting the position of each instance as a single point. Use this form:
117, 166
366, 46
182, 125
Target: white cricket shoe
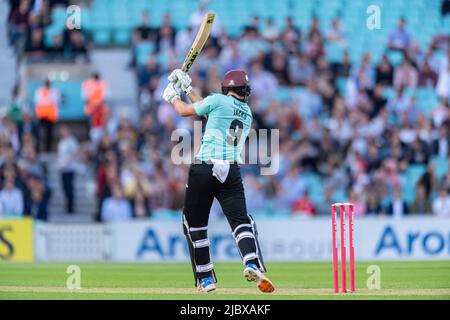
252, 273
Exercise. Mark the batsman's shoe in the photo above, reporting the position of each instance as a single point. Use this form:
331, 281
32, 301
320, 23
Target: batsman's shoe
206, 285
252, 273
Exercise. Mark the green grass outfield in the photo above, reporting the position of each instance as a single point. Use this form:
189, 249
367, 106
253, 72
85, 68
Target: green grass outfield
399, 280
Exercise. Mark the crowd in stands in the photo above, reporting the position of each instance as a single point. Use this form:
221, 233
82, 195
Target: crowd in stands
27, 21
358, 140
24, 185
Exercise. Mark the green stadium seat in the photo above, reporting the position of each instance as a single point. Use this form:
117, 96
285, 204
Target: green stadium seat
283, 94
341, 84
408, 189
122, 36
414, 172
440, 167
395, 57
334, 52
102, 37
165, 215
143, 51
315, 187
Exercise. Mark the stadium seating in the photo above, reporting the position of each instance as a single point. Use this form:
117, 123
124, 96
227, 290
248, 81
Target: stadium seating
111, 22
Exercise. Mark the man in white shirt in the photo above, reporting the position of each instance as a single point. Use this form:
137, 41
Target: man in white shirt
67, 162
443, 84
116, 208
441, 205
11, 201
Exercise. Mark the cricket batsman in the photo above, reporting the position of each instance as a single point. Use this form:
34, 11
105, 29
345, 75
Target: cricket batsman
216, 174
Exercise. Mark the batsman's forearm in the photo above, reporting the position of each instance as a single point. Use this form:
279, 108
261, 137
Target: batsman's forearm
194, 97
178, 106
183, 109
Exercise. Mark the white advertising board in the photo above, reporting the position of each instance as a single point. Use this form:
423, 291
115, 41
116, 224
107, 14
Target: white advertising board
412, 238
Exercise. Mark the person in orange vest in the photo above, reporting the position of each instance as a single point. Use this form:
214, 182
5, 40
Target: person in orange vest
46, 100
94, 91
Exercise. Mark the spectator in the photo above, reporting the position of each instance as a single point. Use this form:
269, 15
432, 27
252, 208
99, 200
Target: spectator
292, 186
94, 93
428, 180
270, 32
35, 48
183, 41
373, 206
254, 25
385, 73
263, 82
18, 21
197, 17
323, 208
443, 84
67, 164
277, 65
399, 103
166, 35
399, 39
77, 49
38, 198
418, 152
445, 7
304, 206
57, 50
335, 33
254, 192
427, 76
15, 106
421, 204
359, 204
301, 71
441, 205
27, 126
11, 200
291, 37
231, 58
406, 75
116, 207
441, 143
398, 207
144, 32
364, 73
342, 68
46, 101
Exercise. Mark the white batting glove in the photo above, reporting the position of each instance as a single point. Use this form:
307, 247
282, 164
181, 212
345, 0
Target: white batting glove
182, 79
171, 93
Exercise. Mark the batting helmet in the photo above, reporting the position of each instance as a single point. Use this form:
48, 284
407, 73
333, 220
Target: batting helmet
236, 80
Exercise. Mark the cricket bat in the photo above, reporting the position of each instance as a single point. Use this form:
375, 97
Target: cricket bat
199, 42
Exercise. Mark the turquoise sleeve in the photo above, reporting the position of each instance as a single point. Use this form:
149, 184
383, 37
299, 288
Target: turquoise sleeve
206, 105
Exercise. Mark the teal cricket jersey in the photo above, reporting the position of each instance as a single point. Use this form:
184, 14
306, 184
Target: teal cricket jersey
228, 125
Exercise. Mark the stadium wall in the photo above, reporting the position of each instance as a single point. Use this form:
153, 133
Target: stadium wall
412, 238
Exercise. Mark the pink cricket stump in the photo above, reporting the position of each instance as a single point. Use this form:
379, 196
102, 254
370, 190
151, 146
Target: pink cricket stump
335, 249
352, 248
343, 249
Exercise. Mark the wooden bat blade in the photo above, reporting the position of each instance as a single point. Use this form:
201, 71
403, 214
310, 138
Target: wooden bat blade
199, 42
